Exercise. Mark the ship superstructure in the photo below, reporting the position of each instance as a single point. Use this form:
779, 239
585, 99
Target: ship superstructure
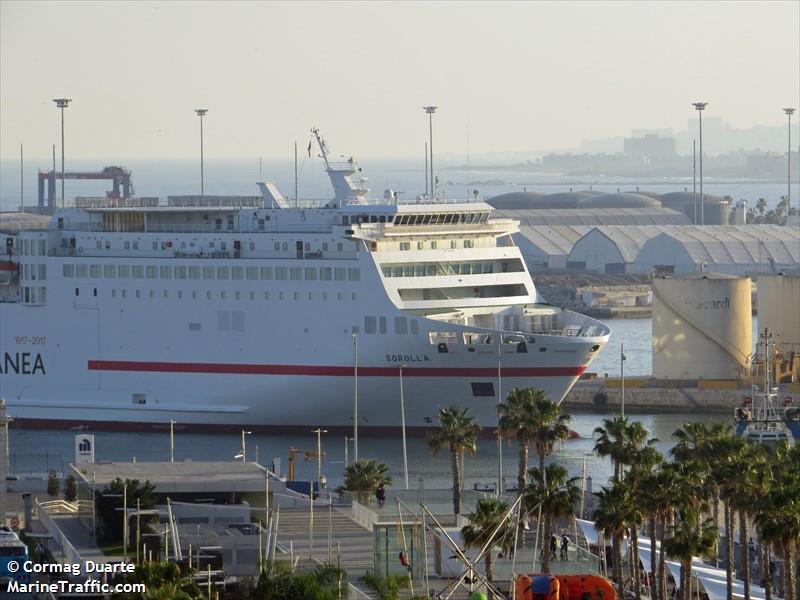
218, 313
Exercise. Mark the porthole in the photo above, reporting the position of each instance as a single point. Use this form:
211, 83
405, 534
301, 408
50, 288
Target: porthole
542, 349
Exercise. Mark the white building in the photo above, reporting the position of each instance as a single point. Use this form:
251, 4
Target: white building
611, 249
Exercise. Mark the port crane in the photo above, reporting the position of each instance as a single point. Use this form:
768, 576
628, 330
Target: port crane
308, 456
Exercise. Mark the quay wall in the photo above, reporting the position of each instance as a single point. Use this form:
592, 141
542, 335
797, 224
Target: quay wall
596, 396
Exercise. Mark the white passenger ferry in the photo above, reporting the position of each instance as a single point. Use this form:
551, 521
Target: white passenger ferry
220, 312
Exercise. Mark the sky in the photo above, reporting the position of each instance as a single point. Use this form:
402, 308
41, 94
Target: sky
507, 77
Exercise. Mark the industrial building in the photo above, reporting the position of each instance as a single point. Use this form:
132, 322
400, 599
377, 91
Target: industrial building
611, 249
596, 216
702, 326
779, 311
545, 246
732, 249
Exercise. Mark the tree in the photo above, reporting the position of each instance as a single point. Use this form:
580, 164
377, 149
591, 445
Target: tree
109, 504
364, 476
557, 494
613, 517
457, 432
163, 580
689, 538
53, 484
487, 522
529, 417
610, 442
70, 489
761, 206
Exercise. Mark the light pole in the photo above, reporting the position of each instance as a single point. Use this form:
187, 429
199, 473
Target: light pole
500, 399
789, 112
244, 446
700, 107
403, 425
171, 440
319, 433
355, 396
694, 179
622, 377
62, 103
430, 110
201, 112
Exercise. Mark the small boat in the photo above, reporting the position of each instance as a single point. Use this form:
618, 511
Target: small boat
760, 417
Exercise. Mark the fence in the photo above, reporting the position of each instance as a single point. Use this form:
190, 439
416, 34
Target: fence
58, 545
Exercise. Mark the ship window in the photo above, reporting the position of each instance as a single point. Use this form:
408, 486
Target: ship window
295, 273
138, 294
354, 274
223, 273
420, 245
325, 273
277, 246
308, 246
266, 273
488, 267
165, 272
339, 246
166, 294
430, 270
180, 294
180, 272
310, 295
252, 273
285, 246
414, 328
311, 274
94, 271
370, 325
453, 243
339, 296
77, 292
208, 272
237, 295
68, 270
266, 295
137, 272
123, 271
353, 297
208, 295
280, 295
482, 389
387, 271
237, 273
280, 273
94, 292
382, 324
340, 273
194, 294
194, 272
397, 271
253, 244
223, 320
419, 270
252, 296
433, 244
113, 293
469, 243
296, 296
83, 270
195, 326
99, 244
127, 245
408, 271
135, 245
42, 271
324, 246
448, 219
151, 272
223, 295
152, 294
405, 246
42, 295
400, 325
324, 295
155, 245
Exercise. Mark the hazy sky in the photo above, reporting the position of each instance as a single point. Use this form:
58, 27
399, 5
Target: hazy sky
506, 76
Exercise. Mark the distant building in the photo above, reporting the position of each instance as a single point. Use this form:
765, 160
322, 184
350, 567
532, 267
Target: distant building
650, 146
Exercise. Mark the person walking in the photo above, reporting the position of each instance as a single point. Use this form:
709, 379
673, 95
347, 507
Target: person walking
380, 494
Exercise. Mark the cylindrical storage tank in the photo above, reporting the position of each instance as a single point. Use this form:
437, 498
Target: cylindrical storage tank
702, 326
778, 302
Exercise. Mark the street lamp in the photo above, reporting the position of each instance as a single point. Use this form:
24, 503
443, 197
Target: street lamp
789, 112
355, 396
62, 103
243, 454
622, 359
201, 112
700, 107
171, 440
403, 426
430, 110
319, 433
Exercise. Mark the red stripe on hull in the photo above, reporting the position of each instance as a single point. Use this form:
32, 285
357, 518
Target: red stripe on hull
328, 371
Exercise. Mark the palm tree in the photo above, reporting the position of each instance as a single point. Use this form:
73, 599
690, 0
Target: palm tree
557, 493
642, 476
364, 476
484, 522
690, 538
761, 206
529, 417
457, 432
613, 517
610, 442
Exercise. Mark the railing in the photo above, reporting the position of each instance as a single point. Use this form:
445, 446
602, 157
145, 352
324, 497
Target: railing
363, 516
68, 552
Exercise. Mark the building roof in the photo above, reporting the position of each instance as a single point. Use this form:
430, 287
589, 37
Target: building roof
596, 216
553, 239
627, 239
14, 222
737, 244
619, 200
